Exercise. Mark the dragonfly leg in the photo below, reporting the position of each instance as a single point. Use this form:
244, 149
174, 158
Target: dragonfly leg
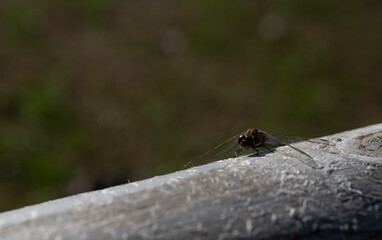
268, 148
237, 152
262, 145
257, 151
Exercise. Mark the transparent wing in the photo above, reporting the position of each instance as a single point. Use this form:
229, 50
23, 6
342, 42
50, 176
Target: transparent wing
279, 140
225, 150
294, 139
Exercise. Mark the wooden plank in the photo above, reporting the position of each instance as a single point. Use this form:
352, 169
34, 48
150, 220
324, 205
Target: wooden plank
271, 196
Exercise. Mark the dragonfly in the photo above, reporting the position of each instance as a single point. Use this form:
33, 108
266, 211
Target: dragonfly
256, 140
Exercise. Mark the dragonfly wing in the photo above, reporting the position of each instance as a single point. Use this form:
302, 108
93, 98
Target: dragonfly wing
294, 139
270, 139
222, 151
281, 140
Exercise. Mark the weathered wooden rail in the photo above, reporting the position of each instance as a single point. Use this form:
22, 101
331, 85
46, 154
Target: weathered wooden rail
271, 196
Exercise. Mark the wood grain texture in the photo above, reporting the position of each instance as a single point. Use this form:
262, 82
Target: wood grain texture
271, 196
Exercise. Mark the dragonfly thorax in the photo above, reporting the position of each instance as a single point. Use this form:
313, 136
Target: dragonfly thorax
252, 138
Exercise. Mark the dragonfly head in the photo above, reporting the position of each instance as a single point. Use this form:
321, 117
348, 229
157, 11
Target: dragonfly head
245, 142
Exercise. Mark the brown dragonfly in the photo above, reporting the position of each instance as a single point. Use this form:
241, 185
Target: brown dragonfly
257, 140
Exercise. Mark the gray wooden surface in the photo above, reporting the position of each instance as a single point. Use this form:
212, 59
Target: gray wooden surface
272, 196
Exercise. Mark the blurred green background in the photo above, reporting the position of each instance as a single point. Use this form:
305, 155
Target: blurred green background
99, 93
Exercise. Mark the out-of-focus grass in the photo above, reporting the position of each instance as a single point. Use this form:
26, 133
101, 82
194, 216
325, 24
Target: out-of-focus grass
99, 93
39, 143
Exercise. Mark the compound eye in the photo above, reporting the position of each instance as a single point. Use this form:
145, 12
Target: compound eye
240, 139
